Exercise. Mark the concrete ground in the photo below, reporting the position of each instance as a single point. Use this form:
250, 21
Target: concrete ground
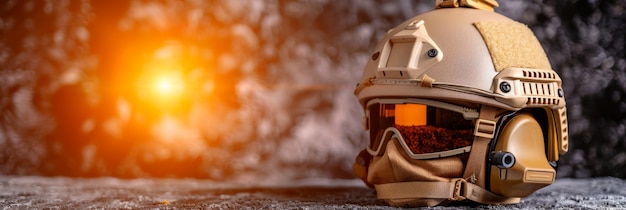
113, 193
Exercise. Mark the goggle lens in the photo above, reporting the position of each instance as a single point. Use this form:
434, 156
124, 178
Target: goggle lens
424, 128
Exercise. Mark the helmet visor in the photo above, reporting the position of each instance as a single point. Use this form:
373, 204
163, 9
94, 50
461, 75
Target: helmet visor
423, 128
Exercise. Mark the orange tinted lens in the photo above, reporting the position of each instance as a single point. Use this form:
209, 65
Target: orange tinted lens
410, 115
425, 129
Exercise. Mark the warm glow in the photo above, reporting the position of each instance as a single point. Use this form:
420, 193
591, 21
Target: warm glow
164, 86
169, 86
163, 82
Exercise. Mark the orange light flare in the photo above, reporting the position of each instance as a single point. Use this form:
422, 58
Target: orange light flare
162, 82
162, 88
169, 86
171, 80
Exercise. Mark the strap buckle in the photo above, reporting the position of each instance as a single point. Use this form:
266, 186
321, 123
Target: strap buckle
457, 194
485, 128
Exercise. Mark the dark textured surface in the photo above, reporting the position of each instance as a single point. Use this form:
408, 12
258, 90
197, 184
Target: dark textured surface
68, 193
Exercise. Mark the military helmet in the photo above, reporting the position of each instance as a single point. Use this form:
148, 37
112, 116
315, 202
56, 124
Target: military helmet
460, 103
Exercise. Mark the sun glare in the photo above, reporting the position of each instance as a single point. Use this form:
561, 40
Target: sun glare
165, 83
164, 86
167, 86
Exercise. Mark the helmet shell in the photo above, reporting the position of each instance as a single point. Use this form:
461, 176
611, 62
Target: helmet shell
463, 69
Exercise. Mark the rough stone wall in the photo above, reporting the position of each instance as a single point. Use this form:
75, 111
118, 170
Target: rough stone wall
275, 81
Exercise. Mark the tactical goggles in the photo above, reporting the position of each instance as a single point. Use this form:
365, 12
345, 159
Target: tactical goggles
426, 129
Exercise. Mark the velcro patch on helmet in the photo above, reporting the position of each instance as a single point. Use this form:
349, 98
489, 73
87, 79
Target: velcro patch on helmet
512, 44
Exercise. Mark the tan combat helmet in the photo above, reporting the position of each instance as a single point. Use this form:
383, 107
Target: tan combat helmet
460, 103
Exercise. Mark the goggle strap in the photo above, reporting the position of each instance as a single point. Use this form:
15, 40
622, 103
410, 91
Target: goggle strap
475, 167
361, 166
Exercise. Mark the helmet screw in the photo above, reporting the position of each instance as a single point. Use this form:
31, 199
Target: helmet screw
505, 87
432, 53
375, 55
560, 92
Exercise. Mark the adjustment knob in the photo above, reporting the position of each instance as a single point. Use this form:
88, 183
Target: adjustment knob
502, 159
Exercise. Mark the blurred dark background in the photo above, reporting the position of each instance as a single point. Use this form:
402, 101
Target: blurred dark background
247, 90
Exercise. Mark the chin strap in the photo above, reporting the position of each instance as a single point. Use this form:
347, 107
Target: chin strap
472, 187
453, 190
484, 131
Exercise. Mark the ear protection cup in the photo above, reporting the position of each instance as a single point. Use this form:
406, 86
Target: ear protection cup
518, 162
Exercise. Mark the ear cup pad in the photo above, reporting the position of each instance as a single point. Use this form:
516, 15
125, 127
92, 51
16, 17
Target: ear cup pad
523, 137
